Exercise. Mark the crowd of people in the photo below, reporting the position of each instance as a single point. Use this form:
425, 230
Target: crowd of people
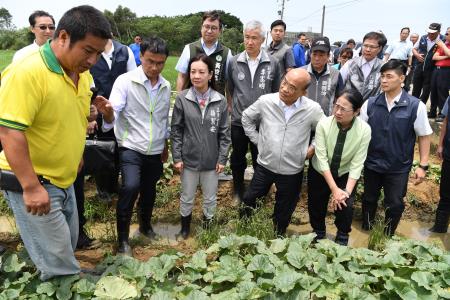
335, 115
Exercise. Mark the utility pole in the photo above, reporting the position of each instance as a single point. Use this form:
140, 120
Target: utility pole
323, 21
281, 11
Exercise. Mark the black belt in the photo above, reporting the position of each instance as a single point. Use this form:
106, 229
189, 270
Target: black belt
9, 181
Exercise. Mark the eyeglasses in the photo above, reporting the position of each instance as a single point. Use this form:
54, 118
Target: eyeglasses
44, 27
291, 88
338, 107
208, 27
371, 47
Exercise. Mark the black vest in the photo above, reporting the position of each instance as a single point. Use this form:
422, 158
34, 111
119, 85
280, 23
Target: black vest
104, 77
428, 63
219, 57
391, 149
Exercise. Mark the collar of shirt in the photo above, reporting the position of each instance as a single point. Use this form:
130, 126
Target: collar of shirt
393, 102
108, 56
317, 74
346, 129
147, 83
369, 63
289, 110
209, 50
256, 60
202, 99
274, 46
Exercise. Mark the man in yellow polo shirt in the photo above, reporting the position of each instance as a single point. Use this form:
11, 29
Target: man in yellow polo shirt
44, 106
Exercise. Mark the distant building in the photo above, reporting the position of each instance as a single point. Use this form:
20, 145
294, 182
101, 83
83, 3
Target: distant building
291, 37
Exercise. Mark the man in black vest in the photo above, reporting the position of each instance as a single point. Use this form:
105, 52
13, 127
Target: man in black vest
210, 45
114, 61
396, 119
423, 51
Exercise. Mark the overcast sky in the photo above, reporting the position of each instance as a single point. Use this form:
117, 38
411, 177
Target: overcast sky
344, 19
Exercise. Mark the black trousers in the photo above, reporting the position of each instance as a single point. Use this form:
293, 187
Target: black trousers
421, 83
78, 187
444, 188
440, 85
318, 197
408, 79
238, 161
394, 186
140, 173
286, 196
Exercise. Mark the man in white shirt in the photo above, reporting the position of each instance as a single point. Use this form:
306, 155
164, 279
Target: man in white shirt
42, 25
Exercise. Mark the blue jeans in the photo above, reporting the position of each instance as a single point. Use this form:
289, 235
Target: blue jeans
49, 239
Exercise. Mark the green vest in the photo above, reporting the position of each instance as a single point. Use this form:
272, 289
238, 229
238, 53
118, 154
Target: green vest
219, 57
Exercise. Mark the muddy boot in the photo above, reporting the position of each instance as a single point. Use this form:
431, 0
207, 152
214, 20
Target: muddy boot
123, 231
368, 215
320, 235
238, 186
341, 238
145, 227
391, 225
206, 223
441, 223
85, 242
185, 226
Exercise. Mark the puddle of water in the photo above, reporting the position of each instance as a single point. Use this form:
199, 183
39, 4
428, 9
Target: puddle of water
358, 237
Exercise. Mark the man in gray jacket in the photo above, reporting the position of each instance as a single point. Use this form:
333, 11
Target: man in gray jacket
285, 120
363, 72
251, 74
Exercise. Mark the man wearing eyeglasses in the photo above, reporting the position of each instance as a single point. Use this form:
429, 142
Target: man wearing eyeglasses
208, 44
42, 25
280, 125
363, 72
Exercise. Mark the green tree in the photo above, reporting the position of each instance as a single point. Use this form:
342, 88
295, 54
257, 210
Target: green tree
232, 38
123, 22
5, 19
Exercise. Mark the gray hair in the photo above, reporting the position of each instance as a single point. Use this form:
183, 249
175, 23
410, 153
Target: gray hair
254, 25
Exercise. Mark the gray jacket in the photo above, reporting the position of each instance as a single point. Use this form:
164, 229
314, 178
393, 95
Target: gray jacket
283, 53
200, 142
369, 87
282, 145
323, 91
243, 90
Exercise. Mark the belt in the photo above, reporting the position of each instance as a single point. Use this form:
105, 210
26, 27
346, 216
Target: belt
9, 181
442, 67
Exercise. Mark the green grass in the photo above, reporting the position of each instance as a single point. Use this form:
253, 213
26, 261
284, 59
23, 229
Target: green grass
169, 71
5, 58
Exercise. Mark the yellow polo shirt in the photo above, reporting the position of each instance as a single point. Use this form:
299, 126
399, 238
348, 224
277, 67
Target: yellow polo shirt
39, 98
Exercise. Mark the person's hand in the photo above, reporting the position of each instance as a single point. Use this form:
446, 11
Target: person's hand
92, 126
420, 57
178, 166
93, 113
440, 152
339, 198
105, 108
419, 176
219, 168
310, 152
165, 155
36, 199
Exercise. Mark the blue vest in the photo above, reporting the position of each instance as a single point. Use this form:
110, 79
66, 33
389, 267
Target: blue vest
447, 135
104, 77
391, 149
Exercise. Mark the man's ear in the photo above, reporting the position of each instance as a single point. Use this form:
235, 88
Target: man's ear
63, 37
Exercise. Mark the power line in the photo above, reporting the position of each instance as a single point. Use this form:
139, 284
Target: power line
308, 16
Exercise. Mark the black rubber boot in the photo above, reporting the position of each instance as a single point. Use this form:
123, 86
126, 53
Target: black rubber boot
368, 215
320, 235
206, 223
441, 223
145, 227
238, 185
123, 231
391, 225
185, 226
341, 238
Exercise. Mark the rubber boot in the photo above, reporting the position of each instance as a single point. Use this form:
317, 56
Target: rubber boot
391, 225
441, 223
206, 223
320, 235
341, 238
145, 227
185, 226
123, 232
368, 214
238, 186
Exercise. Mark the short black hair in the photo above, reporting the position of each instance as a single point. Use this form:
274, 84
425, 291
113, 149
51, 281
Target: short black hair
39, 13
278, 23
213, 15
347, 50
351, 41
380, 37
301, 34
407, 28
394, 64
353, 96
155, 45
209, 62
82, 20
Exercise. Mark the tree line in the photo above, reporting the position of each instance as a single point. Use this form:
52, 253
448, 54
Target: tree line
176, 30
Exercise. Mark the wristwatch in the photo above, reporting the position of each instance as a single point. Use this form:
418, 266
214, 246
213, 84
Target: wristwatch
425, 168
